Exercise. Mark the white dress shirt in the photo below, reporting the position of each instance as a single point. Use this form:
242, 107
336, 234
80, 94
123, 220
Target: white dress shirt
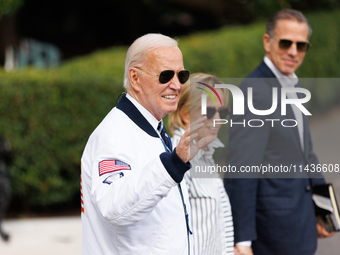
211, 218
287, 82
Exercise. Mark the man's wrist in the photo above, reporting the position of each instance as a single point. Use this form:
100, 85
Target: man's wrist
244, 243
174, 165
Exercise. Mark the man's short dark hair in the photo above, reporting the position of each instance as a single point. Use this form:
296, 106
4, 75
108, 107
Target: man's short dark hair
286, 14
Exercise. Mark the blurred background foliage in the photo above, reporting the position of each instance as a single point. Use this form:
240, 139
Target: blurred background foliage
81, 27
48, 114
8, 7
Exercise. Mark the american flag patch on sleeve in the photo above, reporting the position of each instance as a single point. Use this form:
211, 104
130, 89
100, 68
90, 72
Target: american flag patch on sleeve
109, 166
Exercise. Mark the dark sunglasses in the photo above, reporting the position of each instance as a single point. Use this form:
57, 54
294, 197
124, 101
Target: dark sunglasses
223, 111
167, 75
285, 44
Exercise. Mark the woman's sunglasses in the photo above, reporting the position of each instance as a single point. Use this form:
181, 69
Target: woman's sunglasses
167, 75
223, 111
285, 44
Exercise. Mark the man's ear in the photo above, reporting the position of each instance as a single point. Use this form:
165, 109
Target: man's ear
266, 42
134, 78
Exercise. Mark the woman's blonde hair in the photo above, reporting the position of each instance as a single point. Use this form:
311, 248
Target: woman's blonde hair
191, 99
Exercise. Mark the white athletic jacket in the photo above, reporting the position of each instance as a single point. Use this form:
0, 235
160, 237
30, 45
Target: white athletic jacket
130, 200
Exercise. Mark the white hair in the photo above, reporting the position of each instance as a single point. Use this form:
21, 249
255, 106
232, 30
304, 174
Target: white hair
138, 49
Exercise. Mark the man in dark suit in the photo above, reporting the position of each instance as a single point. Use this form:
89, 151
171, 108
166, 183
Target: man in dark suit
274, 216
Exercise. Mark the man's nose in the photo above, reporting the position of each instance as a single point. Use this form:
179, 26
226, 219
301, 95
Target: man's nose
175, 84
293, 50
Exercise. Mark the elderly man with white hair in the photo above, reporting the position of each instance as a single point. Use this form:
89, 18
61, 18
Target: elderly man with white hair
133, 193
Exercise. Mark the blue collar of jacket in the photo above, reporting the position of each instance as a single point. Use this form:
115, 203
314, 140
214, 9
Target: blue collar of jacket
126, 106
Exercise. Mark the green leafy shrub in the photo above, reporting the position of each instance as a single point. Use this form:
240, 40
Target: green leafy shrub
48, 117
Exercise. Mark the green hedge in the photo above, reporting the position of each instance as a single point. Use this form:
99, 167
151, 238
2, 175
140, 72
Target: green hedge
48, 115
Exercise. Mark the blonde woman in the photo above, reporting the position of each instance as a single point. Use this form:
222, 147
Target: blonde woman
211, 220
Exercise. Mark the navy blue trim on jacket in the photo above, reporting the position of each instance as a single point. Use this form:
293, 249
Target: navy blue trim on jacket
172, 163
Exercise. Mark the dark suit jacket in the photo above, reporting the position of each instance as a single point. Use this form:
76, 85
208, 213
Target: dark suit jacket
276, 214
